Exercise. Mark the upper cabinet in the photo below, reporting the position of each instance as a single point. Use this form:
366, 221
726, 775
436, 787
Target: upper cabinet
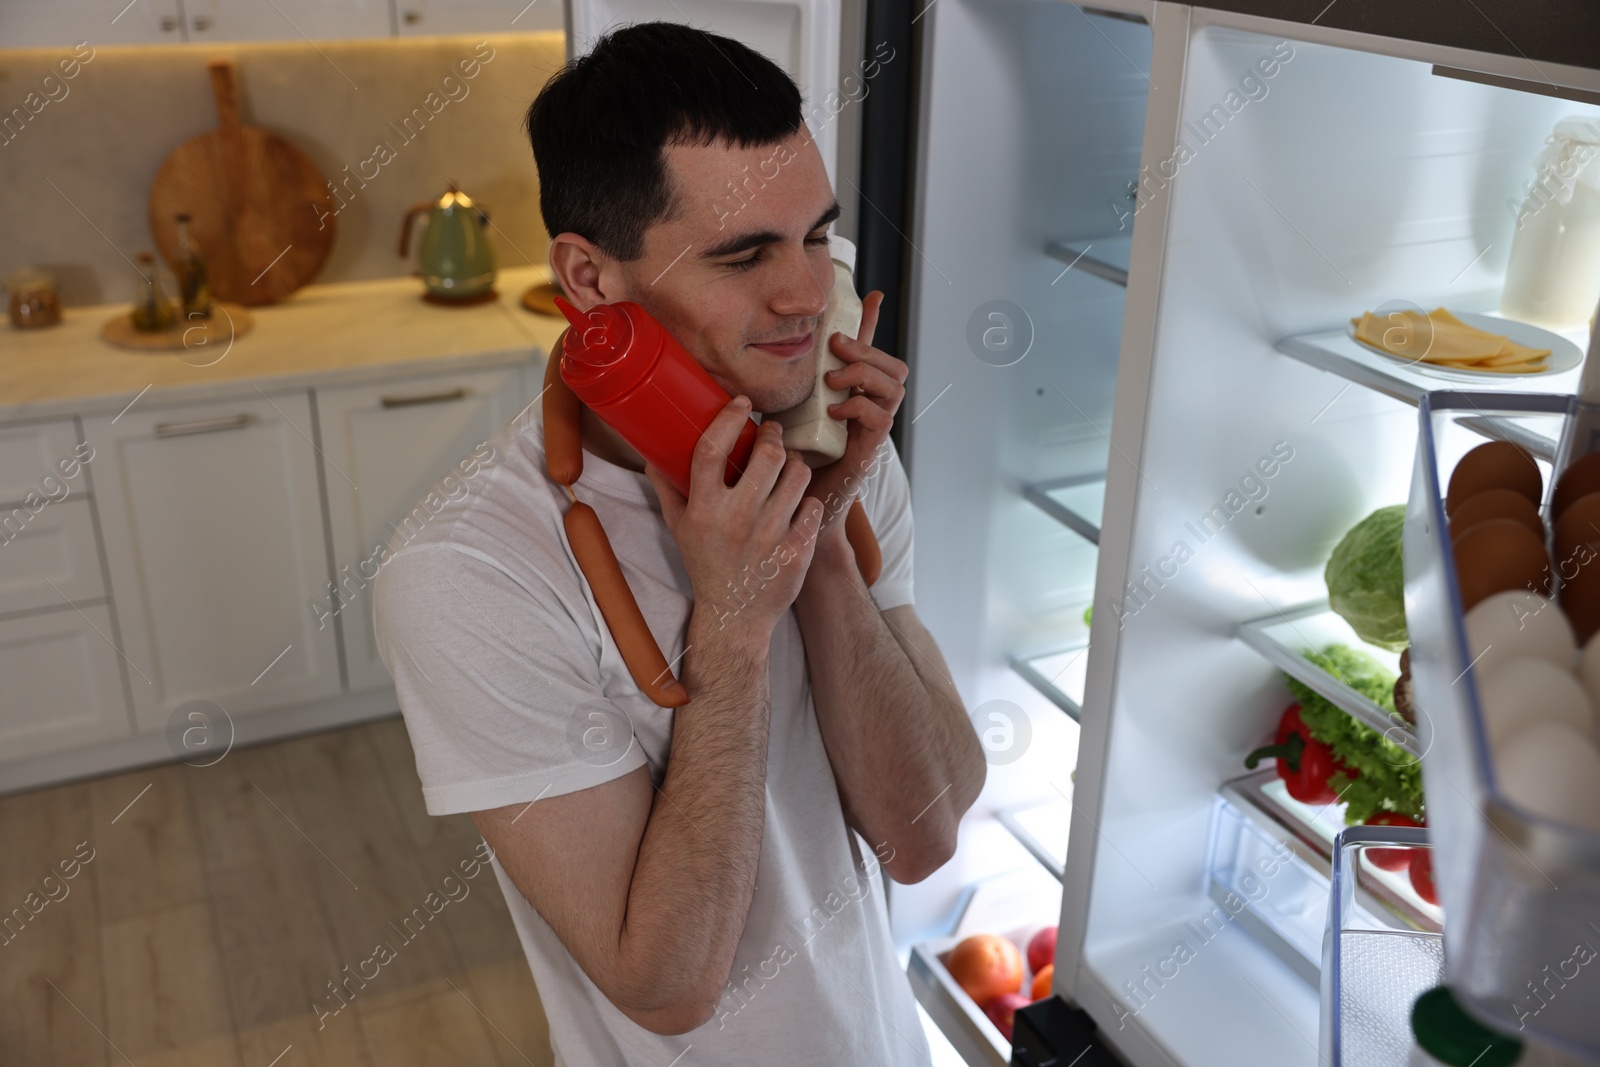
63, 23
250, 20
419, 18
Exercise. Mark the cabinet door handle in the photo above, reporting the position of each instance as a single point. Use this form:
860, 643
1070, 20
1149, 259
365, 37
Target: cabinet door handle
458, 393
226, 422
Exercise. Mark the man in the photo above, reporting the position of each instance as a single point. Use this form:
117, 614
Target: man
688, 882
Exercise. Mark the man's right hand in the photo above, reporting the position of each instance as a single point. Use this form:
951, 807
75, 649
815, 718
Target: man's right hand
746, 547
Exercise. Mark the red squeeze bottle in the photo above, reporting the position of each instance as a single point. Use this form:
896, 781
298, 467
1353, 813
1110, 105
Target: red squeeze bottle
624, 365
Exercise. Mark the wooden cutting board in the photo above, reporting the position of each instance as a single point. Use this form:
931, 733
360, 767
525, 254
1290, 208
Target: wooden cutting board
261, 212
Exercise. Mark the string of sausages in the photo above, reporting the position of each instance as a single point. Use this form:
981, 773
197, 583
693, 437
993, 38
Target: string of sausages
563, 450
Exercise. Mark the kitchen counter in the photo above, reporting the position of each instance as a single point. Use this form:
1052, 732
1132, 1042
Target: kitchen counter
323, 334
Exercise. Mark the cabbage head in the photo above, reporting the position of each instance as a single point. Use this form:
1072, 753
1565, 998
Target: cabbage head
1366, 579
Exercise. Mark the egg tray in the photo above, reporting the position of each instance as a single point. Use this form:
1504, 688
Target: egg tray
1521, 893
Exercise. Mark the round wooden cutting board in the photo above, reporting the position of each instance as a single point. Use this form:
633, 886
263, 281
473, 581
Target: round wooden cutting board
261, 212
196, 339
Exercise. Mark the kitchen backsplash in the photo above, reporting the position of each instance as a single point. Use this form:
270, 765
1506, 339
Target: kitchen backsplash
389, 123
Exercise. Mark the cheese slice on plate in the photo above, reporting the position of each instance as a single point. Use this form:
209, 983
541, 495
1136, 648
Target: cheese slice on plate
1440, 338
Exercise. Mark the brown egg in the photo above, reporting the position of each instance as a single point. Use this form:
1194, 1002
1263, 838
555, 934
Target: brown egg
1581, 478
1497, 555
1496, 504
1495, 465
1579, 524
1580, 591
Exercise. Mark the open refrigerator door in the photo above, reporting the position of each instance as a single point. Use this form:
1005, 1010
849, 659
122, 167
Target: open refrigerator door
1288, 178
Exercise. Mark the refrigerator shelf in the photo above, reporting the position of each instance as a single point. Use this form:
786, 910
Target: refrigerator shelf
1075, 502
1103, 257
1334, 351
1060, 676
1283, 638
1042, 830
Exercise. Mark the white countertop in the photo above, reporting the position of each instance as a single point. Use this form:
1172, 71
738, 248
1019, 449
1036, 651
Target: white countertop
322, 335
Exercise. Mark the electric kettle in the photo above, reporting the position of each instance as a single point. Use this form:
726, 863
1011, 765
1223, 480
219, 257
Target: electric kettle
456, 261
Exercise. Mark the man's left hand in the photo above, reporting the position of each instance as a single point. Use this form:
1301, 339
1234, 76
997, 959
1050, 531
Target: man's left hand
876, 381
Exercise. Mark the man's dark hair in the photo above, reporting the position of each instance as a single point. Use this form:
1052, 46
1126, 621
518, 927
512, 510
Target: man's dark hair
599, 125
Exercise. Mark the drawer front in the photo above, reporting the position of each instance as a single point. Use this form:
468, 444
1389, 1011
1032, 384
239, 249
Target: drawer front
63, 686
51, 561
36, 457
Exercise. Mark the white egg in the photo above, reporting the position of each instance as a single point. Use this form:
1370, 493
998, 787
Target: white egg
1589, 674
1554, 771
1515, 624
1519, 693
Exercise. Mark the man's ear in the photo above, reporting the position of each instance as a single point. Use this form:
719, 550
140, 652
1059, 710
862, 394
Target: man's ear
584, 273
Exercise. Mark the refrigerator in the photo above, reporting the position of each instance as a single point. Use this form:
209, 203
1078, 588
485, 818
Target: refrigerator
1140, 231
1121, 244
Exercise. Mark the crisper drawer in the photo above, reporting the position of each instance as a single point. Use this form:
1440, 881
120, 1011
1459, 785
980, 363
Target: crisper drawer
48, 559
961, 1021
1522, 892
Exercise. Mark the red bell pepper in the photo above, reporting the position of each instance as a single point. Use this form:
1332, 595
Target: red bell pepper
1304, 763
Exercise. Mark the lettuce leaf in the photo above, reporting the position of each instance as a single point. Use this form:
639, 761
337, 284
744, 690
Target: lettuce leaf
1389, 777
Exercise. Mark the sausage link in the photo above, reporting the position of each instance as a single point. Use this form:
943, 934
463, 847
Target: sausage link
858, 531
599, 565
563, 447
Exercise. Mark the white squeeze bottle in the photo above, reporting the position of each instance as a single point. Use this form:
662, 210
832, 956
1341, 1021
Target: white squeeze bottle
808, 429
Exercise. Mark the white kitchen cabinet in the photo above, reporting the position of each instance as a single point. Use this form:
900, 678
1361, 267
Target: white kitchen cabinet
62, 687
421, 18
384, 446
35, 457
51, 561
214, 534
287, 20
63, 23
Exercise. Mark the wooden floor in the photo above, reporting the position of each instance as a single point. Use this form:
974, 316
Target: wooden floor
220, 902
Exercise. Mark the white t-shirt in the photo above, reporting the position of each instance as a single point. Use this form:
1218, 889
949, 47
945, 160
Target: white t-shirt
513, 690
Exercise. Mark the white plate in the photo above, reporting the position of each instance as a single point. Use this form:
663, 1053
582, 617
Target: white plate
1564, 355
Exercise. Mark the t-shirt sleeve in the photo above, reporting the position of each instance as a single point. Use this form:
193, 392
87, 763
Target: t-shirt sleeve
888, 505
501, 695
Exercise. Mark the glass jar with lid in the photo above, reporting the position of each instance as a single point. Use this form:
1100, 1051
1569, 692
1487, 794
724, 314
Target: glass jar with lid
33, 301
